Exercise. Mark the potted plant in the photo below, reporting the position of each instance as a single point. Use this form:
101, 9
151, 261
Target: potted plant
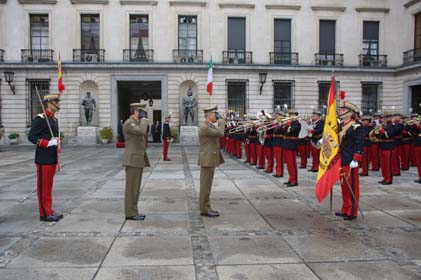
174, 134
106, 134
13, 138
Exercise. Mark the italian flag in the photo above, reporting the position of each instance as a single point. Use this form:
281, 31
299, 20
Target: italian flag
210, 78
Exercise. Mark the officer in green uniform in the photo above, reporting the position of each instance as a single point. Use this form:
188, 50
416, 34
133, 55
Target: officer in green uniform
135, 158
210, 157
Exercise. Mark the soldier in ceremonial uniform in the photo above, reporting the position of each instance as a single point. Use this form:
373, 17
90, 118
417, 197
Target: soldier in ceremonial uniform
290, 147
260, 152
405, 146
135, 158
374, 149
253, 143
417, 146
367, 128
247, 145
166, 137
210, 157
396, 165
412, 153
46, 155
267, 149
278, 151
351, 141
316, 135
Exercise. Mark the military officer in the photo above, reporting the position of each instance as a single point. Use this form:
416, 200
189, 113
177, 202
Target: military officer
290, 147
46, 156
166, 137
210, 157
135, 158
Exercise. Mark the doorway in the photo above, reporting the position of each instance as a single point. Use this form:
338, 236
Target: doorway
416, 99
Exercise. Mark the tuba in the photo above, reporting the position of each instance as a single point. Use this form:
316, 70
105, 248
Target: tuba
372, 136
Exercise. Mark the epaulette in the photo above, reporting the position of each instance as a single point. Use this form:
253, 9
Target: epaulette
41, 115
356, 125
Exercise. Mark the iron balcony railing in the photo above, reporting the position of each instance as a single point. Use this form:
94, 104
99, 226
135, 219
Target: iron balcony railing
37, 56
329, 59
412, 56
135, 55
88, 55
1, 55
284, 58
369, 60
237, 57
187, 56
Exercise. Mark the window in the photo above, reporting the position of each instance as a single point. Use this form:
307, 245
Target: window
139, 32
371, 38
324, 87
187, 33
417, 43
237, 96
90, 32
370, 97
34, 106
282, 36
236, 33
39, 32
282, 94
327, 37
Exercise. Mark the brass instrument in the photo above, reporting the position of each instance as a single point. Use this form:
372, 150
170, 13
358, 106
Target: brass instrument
373, 135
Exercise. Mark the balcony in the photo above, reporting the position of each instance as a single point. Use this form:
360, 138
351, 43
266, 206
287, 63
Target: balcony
88, 55
367, 60
283, 58
1, 55
326, 59
130, 55
412, 56
187, 56
37, 56
237, 57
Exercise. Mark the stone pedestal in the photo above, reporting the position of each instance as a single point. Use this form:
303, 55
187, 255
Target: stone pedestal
189, 135
87, 135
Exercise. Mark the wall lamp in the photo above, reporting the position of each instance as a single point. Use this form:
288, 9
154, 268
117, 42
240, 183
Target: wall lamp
262, 80
8, 76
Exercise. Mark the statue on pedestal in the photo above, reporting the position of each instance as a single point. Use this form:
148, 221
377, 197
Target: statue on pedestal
89, 105
189, 103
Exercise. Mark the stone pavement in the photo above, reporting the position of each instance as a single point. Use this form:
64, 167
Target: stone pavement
265, 230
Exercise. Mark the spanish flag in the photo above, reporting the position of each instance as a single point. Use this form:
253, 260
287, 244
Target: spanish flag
330, 158
60, 76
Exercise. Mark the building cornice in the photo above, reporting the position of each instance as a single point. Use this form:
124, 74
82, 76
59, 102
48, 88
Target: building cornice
410, 3
38, 2
282, 7
372, 10
89, 1
328, 8
188, 3
138, 2
235, 5
3, 1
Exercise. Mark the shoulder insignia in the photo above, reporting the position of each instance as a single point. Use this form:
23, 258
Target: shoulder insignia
356, 125
41, 115
133, 124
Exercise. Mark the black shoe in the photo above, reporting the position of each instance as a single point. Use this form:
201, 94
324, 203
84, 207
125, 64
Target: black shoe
51, 218
302, 167
286, 183
167, 159
381, 182
386, 183
395, 175
406, 169
277, 176
58, 215
251, 163
260, 167
349, 218
418, 181
138, 217
374, 169
214, 211
363, 175
210, 214
340, 214
292, 185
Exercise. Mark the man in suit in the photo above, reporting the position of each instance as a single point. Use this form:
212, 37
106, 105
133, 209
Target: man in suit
135, 158
166, 137
210, 157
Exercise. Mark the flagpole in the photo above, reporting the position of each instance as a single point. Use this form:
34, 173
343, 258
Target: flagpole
331, 190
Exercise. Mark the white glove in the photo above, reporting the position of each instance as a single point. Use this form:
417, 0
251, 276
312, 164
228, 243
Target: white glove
52, 142
353, 164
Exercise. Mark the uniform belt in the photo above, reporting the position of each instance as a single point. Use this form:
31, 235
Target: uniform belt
291, 137
278, 135
387, 140
252, 137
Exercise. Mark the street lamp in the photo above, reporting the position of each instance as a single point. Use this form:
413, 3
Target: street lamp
262, 80
150, 102
8, 76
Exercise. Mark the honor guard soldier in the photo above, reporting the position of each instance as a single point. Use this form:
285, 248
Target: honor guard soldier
166, 137
290, 147
316, 135
267, 148
367, 128
45, 134
351, 141
405, 147
210, 157
253, 144
397, 121
278, 151
247, 144
135, 158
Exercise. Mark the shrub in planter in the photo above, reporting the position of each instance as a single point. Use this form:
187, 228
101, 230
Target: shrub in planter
106, 134
174, 133
13, 137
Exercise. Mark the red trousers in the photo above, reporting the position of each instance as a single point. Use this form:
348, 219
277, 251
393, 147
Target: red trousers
413, 155
278, 156
165, 146
247, 150
403, 151
269, 158
291, 161
418, 156
45, 179
260, 157
349, 203
302, 150
386, 165
395, 162
253, 153
375, 156
315, 154
238, 149
365, 163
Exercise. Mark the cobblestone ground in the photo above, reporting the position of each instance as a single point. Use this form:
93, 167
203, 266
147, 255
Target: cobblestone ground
265, 230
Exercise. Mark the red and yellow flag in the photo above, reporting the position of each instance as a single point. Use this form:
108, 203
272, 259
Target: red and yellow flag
330, 158
61, 86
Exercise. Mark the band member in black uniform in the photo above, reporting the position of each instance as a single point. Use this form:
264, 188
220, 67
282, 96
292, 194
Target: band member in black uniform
316, 135
278, 151
417, 146
367, 128
290, 147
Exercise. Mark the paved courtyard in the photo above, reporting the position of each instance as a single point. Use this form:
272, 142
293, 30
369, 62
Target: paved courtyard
265, 230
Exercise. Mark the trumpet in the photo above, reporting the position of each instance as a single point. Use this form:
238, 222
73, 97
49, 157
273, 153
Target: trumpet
244, 126
372, 136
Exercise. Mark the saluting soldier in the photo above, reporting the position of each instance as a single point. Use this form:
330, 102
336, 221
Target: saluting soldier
367, 128
290, 147
135, 158
316, 135
210, 157
46, 156
166, 137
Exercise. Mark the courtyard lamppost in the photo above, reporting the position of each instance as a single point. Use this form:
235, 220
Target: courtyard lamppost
8, 76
